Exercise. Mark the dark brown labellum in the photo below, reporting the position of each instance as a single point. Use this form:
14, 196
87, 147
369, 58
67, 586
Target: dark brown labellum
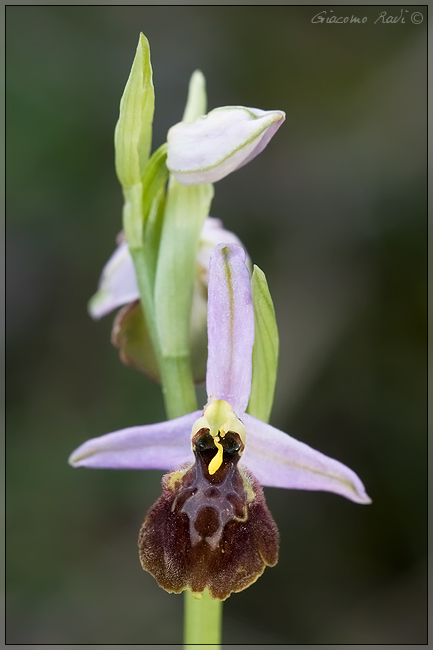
209, 531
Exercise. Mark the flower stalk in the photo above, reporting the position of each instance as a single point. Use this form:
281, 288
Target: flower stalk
185, 212
202, 622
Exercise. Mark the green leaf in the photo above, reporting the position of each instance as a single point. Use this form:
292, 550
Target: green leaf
265, 350
196, 104
133, 134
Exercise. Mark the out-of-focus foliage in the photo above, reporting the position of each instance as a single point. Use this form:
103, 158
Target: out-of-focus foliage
333, 211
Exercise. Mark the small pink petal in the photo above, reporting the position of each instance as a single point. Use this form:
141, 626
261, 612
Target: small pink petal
230, 327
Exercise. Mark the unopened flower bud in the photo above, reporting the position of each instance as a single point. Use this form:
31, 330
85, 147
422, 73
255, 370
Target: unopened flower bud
216, 144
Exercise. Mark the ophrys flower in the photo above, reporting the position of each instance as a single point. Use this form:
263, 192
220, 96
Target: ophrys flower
211, 528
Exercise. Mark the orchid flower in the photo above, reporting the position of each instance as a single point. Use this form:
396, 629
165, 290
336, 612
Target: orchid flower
214, 145
211, 527
118, 282
118, 288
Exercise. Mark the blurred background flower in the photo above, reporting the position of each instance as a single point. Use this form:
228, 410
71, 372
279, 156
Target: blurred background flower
333, 211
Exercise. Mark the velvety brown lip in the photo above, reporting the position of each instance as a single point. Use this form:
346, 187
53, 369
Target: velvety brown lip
209, 531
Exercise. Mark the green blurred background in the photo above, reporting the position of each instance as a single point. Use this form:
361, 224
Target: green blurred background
333, 211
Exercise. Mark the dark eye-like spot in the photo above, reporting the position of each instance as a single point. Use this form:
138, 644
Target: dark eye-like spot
231, 443
204, 441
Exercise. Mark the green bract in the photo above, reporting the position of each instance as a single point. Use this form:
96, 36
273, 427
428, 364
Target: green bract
196, 104
265, 349
133, 134
133, 138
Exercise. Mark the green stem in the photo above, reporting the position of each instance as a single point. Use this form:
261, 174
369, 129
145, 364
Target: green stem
146, 297
177, 385
202, 621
